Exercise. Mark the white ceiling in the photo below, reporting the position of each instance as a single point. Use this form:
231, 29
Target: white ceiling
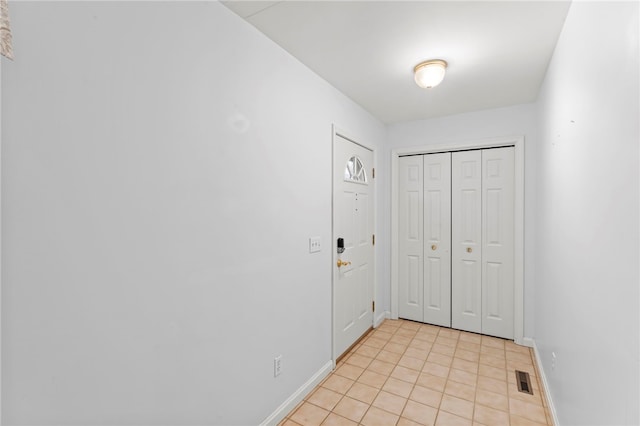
498, 51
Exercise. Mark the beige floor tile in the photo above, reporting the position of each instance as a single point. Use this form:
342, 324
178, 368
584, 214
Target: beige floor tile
378, 417
351, 408
439, 348
461, 391
533, 412
396, 348
448, 419
406, 422
514, 393
309, 415
513, 347
467, 355
381, 334
492, 400
390, 402
338, 383
417, 353
493, 361
515, 365
464, 377
410, 374
405, 374
411, 325
470, 337
406, 332
398, 387
425, 336
519, 357
349, 371
372, 378
468, 346
374, 342
402, 340
437, 358
426, 396
432, 382
359, 360
412, 363
446, 341
387, 356
435, 369
336, 420
493, 372
489, 416
325, 398
362, 392
420, 413
493, 342
449, 333
464, 365
367, 351
519, 421
493, 385
288, 422
421, 345
492, 351
381, 367
458, 406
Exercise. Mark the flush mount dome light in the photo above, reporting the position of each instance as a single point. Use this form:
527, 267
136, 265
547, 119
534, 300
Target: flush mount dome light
429, 74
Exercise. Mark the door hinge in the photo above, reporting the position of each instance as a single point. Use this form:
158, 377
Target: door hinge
373, 306
373, 239
373, 173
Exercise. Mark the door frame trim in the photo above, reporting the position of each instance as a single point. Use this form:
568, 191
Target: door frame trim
518, 143
337, 131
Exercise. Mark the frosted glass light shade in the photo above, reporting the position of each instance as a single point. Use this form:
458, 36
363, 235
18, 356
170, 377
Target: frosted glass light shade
430, 73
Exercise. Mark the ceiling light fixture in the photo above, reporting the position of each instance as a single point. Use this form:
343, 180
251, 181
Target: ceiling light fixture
429, 74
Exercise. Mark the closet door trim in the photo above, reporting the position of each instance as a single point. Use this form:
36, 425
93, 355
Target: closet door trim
519, 146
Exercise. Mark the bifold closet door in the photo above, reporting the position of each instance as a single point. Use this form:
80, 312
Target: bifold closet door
482, 229
466, 240
410, 238
498, 241
425, 238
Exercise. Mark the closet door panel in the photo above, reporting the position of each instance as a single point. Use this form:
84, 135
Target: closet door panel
411, 238
466, 240
498, 241
437, 239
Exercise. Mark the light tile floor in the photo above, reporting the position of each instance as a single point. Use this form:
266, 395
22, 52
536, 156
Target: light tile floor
407, 373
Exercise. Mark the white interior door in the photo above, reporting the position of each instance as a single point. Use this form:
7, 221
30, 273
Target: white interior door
466, 240
498, 241
353, 269
411, 238
437, 239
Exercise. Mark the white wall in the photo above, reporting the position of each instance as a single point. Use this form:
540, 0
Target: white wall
588, 238
163, 165
516, 120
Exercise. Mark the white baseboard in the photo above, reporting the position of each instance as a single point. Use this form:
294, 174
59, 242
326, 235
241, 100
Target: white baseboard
378, 320
528, 342
291, 402
544, 384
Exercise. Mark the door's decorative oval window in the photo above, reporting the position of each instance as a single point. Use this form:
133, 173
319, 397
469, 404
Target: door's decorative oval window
354, 171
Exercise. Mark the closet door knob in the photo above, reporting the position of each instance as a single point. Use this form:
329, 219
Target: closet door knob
433, 247
469, 249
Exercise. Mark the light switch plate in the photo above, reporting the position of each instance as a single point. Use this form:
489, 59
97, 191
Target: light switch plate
315, 245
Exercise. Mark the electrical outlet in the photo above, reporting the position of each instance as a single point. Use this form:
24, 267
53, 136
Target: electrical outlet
277, 366
553, 361
314, 245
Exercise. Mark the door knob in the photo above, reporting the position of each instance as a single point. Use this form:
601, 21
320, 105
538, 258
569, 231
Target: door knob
343, 263
433, 247
469, 249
